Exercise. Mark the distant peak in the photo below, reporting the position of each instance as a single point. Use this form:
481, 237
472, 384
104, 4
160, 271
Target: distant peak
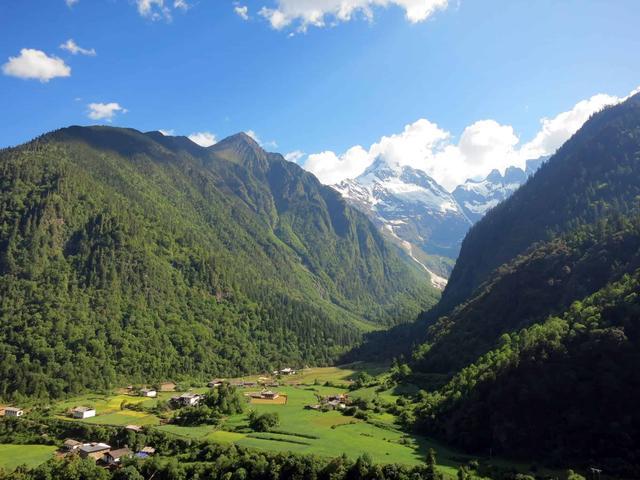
241, 138
495, 176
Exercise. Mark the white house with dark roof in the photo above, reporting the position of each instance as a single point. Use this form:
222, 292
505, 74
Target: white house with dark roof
148, 392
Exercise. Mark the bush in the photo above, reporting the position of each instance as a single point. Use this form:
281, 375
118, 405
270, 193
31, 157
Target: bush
264, 422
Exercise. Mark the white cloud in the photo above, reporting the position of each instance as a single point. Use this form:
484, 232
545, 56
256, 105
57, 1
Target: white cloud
71, 3
154, 9
242, 11
331, 168
105, 111
557, 130
181, 4
294, 156
204, 139
253, 135
75, 49
258, 140
35, 64
302, 14
168, 133
483, 146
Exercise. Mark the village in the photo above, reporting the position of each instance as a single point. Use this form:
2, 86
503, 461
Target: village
320, 410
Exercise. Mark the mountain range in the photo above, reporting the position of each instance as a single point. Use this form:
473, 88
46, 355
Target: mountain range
412, 210
137, 256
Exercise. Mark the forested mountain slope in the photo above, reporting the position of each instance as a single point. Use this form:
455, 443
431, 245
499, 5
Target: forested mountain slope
565, 390
137, 256
546, 280
537, 354
593, 173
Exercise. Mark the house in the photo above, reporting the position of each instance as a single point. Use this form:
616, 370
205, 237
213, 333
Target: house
242, 384
83, 412
148, 392
93, 451
187, 399
146, 452
114, 457
215, 383
13, 412
133, 428
340, 397
336, 405
70, 445
269, 395
287, 371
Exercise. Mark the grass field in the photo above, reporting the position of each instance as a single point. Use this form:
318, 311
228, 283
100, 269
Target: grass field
11, 456
303, 431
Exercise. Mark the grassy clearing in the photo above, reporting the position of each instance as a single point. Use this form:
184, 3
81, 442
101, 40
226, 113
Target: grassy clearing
11, 456
123, 418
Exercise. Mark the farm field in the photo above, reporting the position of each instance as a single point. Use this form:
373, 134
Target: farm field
12, 456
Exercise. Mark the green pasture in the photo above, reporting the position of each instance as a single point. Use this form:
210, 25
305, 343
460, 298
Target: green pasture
11, 456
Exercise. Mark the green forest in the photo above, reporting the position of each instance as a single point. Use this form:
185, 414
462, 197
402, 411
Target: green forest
131, 257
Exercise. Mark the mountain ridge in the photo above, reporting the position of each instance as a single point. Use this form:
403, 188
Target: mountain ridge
159, 258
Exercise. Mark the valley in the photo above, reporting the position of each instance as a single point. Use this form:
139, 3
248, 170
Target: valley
329, 433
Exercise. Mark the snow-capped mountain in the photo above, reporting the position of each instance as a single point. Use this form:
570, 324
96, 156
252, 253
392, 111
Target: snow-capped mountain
412, 209
419, 215
476, 197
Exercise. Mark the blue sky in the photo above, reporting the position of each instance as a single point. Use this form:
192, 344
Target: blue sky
329, 88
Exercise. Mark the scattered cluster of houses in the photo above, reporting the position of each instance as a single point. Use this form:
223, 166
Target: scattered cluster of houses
103, 453
331, 402
284, 371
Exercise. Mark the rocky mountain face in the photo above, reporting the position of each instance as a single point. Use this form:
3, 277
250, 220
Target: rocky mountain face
413, 210
421, 216
477, 197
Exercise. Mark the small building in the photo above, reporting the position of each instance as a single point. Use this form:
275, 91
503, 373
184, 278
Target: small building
340, 397
187, 399
148, 450
134, 428
215, 383
269, 395
70, 445
148, 392
336, 405
114, 457
95, 451
13, 412
287, 371
83, 412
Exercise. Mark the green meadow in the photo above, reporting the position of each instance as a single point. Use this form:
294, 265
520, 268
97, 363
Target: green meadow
301, 430
12, 456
